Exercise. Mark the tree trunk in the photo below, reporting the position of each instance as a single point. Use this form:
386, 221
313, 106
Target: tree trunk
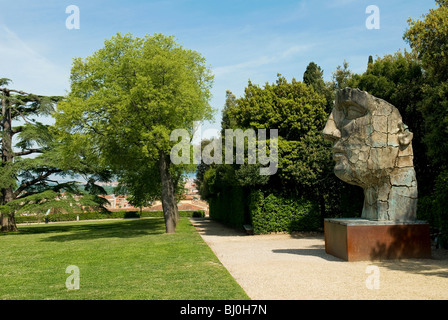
7, 220
169, 203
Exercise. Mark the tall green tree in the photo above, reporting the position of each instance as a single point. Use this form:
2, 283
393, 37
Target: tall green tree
428, 38
314, 77
291, 107
342, 77
298, 111
129, 96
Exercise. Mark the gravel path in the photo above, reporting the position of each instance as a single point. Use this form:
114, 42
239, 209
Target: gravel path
296, 267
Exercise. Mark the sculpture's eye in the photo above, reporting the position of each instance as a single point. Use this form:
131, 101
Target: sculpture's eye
353, 112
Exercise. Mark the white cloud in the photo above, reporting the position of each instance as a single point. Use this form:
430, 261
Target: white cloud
340, 3
251, 64
295, 49
261, 61
29, 70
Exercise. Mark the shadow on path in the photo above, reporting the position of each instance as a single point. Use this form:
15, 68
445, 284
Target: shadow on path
209, 227
314, 251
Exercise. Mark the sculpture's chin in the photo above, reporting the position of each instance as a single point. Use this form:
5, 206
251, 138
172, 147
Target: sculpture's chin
343, 171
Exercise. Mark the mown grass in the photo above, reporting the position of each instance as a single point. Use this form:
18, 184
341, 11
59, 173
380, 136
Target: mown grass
120, 259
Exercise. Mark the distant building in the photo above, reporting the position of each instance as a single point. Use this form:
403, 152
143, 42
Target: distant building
191, 201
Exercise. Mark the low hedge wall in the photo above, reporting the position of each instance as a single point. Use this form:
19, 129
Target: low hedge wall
267, 212
280, 213
56, 217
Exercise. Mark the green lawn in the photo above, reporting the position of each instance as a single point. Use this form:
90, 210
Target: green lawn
120, 259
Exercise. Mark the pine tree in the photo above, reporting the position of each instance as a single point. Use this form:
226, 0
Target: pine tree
30, 158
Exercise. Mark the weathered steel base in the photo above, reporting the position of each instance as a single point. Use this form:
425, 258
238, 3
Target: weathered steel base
360, 239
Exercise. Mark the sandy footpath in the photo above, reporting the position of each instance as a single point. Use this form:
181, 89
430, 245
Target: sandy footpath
296, 267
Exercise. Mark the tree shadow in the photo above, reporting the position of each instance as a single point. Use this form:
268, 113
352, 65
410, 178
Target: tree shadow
315, 251
307, 235
410, 250
403, 241
210, 227
103, 229
427, 267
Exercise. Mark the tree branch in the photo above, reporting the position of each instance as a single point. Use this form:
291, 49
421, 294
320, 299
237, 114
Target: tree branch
28, 151
17, 130
19, 92
42, 177
21, 114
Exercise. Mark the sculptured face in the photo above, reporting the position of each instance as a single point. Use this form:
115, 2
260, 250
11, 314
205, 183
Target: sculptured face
366, 134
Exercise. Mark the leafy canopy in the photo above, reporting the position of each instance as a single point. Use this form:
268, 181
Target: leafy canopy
125, 101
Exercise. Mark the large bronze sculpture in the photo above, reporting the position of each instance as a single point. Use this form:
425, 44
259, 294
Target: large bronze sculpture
373, 149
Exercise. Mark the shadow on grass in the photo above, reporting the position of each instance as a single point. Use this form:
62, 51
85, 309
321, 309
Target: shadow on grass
97, 230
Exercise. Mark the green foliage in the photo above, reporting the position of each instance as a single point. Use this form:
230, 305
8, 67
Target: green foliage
198, 214
441, 205
428, 39
434, 108
305, 168
432, 208
32, 156
298, 112
305, 164
133, 92
229, 206
124, 102
279, 213
292, 108
343, 76
313, 76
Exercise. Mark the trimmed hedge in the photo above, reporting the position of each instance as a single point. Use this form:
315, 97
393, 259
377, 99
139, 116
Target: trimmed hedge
266, 212
229, 207
56, 217
280, 213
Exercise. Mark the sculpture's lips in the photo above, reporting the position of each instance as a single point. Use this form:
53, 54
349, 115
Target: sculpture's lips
337, 153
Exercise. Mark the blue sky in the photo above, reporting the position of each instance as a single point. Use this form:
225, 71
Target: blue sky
241, 40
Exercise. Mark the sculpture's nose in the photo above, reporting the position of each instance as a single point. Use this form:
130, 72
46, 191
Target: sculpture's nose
331, 131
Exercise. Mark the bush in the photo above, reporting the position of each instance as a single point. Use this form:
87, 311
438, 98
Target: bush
58, 217
266, 212
229, 207
279, 213
198, 214
433, 209
440, 207
22, 219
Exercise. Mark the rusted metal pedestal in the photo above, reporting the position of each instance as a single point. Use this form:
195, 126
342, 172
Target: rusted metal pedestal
360, 239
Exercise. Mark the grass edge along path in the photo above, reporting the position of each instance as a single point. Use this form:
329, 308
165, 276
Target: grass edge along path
116, 259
